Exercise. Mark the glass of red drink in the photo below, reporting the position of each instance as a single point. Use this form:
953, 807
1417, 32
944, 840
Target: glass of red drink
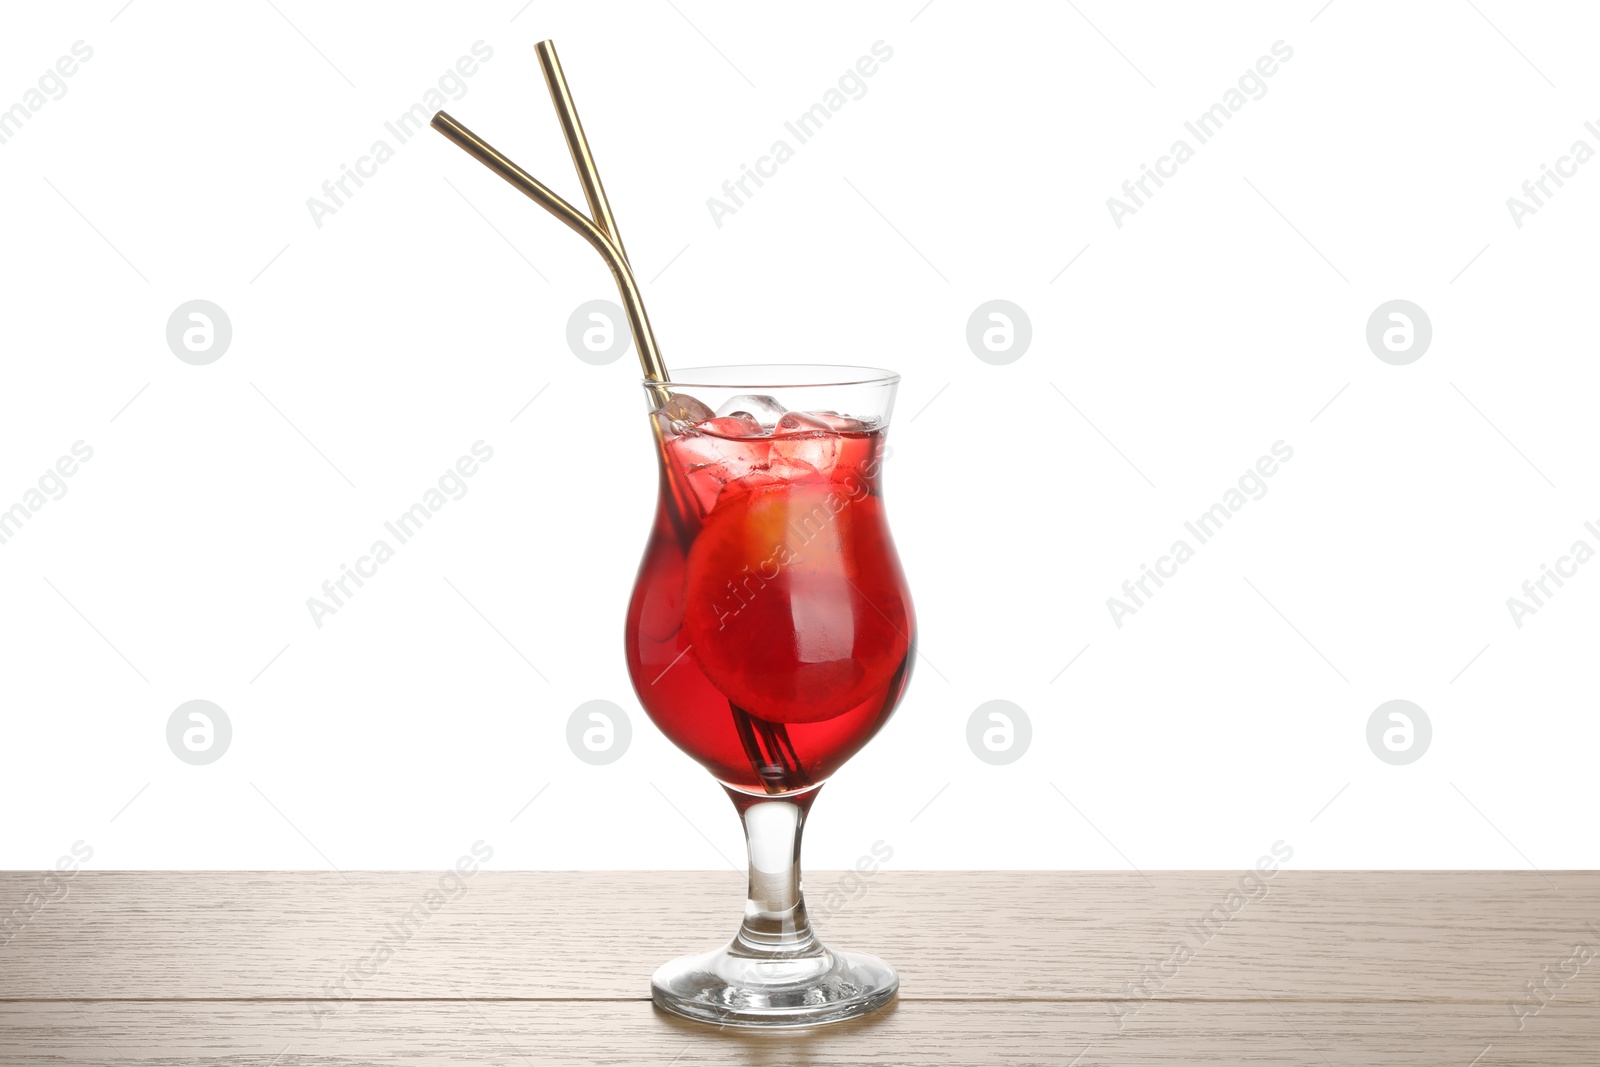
770, 636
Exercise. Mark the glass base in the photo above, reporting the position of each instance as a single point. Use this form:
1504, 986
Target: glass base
730, 988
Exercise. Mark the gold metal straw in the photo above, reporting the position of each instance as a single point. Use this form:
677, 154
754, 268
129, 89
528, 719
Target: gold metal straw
599, 232
572, 129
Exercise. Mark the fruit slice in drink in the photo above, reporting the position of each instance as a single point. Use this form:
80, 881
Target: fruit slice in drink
793, 604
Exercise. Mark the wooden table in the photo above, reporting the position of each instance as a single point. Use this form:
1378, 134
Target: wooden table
1308, 968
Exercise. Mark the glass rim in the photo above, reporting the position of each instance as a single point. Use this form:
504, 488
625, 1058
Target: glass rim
826, 375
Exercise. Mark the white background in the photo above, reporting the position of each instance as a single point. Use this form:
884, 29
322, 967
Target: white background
1227, 314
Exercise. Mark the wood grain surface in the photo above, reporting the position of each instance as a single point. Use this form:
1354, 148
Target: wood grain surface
996, 967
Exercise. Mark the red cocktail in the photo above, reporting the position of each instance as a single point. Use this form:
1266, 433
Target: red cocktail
770, 636
770, 632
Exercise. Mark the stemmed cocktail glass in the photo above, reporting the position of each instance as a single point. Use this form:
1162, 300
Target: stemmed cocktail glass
770, 635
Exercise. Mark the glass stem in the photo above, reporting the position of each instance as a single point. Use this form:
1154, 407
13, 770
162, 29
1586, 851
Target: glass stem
775, 924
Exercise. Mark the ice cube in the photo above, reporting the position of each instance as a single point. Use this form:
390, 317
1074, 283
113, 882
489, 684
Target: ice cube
764, 409
804, 445
717, 454
844, 423
681, 412
705, 465
802, 422
824, 420
739, 424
